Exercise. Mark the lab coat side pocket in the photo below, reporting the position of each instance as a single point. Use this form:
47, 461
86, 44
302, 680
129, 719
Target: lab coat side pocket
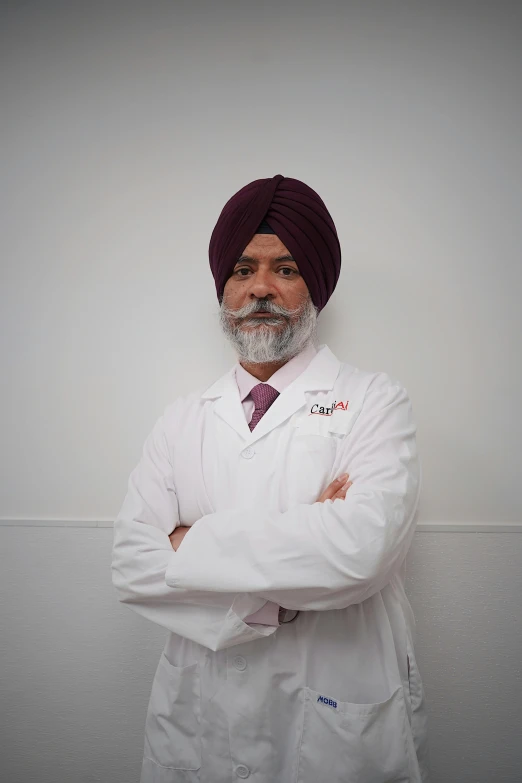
419, 718
343, 741
172, 725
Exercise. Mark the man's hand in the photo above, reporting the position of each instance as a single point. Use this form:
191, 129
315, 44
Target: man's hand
177, 536
337, 489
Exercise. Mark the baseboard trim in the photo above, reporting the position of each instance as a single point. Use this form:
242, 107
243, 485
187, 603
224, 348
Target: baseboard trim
422, 527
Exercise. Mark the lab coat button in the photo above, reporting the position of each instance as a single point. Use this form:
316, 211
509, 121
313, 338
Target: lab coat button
240, 663
242, 771
248, 453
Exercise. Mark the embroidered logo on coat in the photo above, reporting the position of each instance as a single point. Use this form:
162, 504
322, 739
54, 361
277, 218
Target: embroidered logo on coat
326, 700
328, 411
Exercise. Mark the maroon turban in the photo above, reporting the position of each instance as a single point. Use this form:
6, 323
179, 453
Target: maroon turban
298, 216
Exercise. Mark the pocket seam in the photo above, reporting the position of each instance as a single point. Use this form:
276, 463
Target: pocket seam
359, 709
163, 659
174, 769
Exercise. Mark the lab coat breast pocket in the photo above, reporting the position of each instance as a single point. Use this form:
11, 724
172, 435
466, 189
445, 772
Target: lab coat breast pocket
314, 449
309, 464
343, 742
172, 725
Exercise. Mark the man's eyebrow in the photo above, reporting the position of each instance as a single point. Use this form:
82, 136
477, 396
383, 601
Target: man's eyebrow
279, 258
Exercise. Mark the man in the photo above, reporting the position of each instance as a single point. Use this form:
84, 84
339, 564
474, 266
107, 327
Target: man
290, 657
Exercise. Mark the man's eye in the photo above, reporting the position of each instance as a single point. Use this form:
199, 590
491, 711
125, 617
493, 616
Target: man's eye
286, 269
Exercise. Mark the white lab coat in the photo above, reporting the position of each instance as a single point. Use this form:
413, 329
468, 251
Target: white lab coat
335, 695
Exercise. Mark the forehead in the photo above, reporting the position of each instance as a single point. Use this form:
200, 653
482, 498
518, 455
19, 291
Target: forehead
265, 246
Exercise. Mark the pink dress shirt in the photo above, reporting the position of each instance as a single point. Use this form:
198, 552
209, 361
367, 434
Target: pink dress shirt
268, 614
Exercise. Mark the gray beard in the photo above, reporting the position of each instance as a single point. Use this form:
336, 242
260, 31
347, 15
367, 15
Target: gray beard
262, 344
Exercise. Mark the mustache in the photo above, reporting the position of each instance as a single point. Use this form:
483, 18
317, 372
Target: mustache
260, 306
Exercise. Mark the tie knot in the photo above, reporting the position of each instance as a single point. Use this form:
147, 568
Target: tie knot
263, 395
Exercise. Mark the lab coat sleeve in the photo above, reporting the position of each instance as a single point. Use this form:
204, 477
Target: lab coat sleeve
142, 552
327, 555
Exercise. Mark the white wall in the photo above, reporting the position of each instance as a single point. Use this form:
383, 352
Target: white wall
125, 128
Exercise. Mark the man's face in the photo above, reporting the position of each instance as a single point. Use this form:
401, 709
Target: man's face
266, 280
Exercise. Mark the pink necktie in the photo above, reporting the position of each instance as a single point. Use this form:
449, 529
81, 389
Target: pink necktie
263, 395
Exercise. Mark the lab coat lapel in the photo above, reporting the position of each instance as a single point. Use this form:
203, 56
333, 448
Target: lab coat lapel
228, 405
320, 375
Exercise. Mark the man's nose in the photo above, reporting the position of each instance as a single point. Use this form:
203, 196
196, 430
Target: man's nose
262, 286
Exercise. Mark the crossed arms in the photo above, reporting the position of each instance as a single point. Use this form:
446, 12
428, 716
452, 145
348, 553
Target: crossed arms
311, 557
337, 489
